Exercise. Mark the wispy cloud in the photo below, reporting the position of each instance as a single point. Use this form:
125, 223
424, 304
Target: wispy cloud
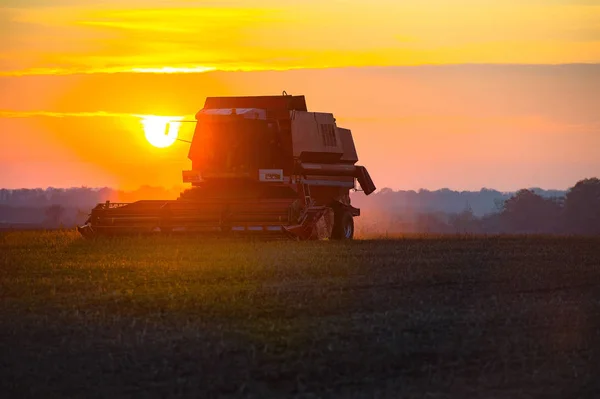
116, 69
29, 114
97, 114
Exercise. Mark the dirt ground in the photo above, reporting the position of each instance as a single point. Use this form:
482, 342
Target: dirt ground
423, 317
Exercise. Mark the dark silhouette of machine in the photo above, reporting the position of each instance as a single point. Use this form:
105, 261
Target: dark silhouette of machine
260, 164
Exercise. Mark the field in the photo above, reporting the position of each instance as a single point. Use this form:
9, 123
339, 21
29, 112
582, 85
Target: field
464, 317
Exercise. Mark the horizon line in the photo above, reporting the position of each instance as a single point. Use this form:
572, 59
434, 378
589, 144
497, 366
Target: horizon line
177, 187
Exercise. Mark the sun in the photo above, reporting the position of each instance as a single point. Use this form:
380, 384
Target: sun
161, 131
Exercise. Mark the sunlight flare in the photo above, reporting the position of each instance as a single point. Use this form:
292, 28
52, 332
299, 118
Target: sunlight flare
161, 131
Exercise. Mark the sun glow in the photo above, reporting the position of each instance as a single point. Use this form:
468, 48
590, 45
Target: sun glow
197, 69
161, 131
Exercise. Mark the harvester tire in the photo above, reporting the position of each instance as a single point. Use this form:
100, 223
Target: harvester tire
343, 225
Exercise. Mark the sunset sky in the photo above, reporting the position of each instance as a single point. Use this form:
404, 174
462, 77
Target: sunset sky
461, 94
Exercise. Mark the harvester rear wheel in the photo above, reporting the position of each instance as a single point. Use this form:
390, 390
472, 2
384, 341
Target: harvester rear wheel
343, 225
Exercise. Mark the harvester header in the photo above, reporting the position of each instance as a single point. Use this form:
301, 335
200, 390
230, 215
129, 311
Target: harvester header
258, 164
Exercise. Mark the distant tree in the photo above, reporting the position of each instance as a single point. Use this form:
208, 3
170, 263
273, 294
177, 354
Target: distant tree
499, 204
582, 207
432, 222
528, 212
465, 221
492, 223
4, 196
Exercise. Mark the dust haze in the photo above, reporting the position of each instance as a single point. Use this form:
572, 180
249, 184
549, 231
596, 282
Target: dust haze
386, 212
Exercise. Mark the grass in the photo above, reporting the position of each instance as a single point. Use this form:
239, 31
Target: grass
494, 317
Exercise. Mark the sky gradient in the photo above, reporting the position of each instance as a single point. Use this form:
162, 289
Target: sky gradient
135, 35
414, 80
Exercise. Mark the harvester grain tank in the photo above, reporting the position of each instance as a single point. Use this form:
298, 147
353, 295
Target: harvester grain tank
259, 164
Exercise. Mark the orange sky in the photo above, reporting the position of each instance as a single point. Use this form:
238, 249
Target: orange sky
72, 76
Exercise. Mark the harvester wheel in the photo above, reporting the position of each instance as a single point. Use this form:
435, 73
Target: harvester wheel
343, 225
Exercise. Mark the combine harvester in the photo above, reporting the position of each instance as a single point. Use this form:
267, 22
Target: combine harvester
260, 164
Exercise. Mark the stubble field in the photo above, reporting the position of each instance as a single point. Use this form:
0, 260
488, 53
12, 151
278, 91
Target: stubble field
464, 317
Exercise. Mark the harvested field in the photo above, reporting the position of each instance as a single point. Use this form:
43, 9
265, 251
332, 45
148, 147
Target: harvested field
463, 317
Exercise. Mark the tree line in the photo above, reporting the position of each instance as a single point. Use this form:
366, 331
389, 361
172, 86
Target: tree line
526, 211
55, 207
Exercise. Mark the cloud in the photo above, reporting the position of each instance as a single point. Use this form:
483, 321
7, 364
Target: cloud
83, 115
29, 114
133, 35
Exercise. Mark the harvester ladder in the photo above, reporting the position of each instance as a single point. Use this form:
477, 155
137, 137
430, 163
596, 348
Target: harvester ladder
306, 194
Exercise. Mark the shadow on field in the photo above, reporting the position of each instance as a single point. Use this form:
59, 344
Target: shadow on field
502, 317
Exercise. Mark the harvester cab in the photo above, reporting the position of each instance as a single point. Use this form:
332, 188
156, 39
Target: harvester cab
262, 164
